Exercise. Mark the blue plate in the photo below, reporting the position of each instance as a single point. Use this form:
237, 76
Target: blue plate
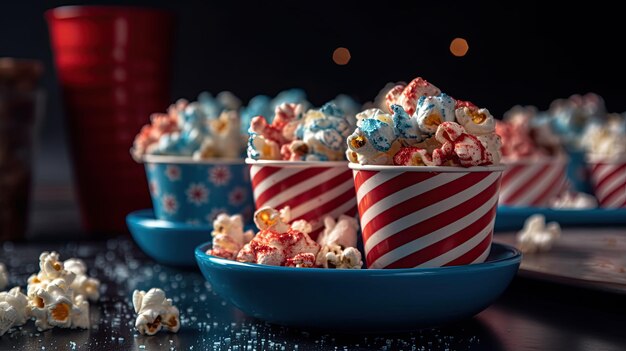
513, 218
361, 300
167, 242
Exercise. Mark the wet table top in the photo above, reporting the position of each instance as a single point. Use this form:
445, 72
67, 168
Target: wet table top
531, 315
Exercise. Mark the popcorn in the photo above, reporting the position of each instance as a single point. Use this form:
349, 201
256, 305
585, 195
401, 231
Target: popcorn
434, 110
58, 294
476, 121
458, 148
4, 277
267, 139
575, 200
407, 96
338, 243
570, 116
55, 306
605, 140
277, 243
318, 135
324, 132
536, 236
154, 311
228, 236
14, 310
82, 284
427, 128
374, 140
209, 127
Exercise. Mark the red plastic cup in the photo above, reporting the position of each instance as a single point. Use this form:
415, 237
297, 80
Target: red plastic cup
113, 65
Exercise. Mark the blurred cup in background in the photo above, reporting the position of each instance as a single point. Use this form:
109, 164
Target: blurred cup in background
21, 105
113, 64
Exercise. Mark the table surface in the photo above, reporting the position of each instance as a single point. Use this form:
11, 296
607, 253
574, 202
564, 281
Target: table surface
531, 314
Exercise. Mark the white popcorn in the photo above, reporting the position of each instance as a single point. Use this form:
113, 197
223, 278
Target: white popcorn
155, 311
58, 294
53, 306
228, 233
337, 244
268, 218
82, 284
4, 277
14, 309
536, 236
574, 200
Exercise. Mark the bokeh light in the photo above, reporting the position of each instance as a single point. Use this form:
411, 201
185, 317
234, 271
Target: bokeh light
341, 56
459, 47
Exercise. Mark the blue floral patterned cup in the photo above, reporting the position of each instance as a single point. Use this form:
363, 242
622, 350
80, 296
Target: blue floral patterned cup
195, 192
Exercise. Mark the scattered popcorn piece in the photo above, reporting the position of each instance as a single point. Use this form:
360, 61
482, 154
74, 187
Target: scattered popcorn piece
14, 310
277, 243
154, 311
537, 236
4, 276
576, 200
58, 294
53, 306
338, 243
228, 236
82, 284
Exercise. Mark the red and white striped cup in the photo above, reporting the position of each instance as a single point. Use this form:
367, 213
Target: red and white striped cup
313, 190
533, 182
426, 216
608, 178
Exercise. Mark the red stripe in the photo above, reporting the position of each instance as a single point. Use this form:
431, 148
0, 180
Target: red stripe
264, 172
600, 183
606, 199
361, 176
512, 198
432, 224
317, 190
510, 172
437, 249
551, 190
472, 254
392, 186
423, 200
595, 167
298, 176
332, 204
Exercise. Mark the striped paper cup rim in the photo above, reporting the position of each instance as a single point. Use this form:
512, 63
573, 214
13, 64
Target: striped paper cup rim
296, 164
561, 159
200, 253
438, 169
188, 160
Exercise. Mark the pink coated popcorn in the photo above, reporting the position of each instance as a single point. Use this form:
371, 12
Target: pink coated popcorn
410, 94
277, 249
516, 140
160, 124
459, 147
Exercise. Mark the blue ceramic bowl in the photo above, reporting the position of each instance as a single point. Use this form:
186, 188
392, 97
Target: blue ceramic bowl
513, 218
361, 300
166, 242
194, 192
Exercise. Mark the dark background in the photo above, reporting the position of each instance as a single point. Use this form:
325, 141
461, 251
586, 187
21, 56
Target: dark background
519, 53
